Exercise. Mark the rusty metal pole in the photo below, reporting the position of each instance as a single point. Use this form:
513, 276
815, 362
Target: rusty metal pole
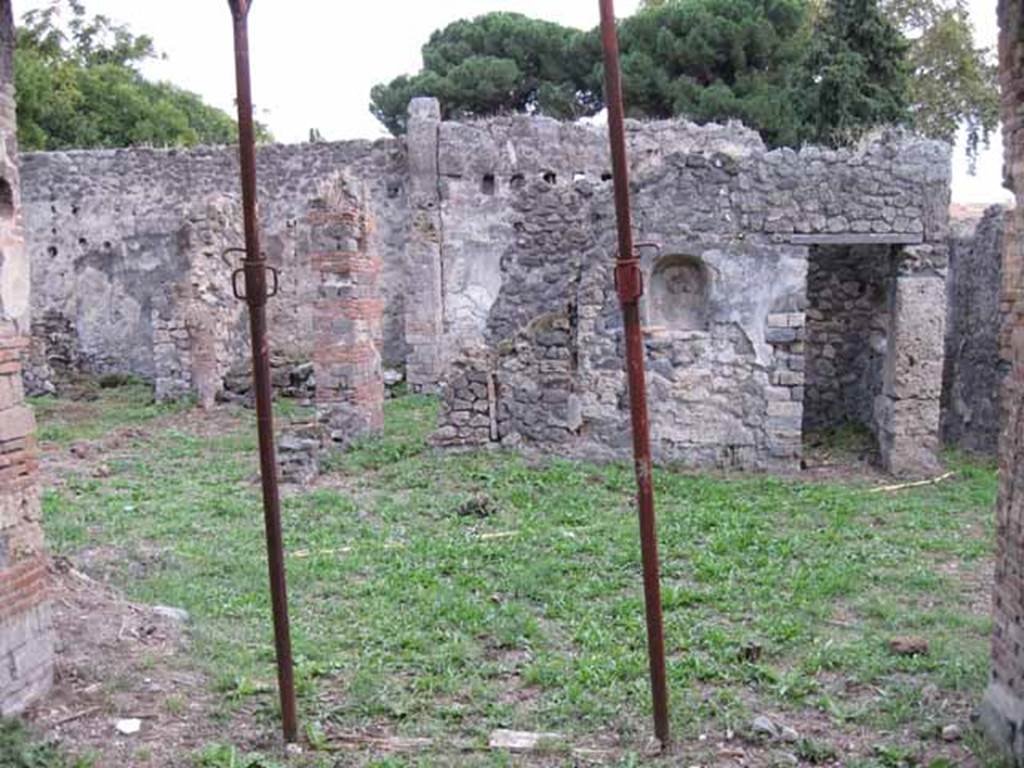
255, 271
629, 284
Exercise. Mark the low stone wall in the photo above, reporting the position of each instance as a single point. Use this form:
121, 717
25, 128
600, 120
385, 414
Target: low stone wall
469, 401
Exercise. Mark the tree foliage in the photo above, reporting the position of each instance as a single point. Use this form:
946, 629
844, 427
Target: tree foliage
79, 86
712, 60
854, 76
494, 64
795, 70
954, 81
707, 59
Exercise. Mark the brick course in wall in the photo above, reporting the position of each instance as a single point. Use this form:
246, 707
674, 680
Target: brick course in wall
1002, 710
348, 312
26, 634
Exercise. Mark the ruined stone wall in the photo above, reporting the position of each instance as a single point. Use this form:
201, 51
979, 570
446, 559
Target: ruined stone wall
108, 234
974, 372
484, 227
1002, 711
26, 635
727, 294
848, 291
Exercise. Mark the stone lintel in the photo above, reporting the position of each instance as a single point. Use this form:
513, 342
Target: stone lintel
858, 238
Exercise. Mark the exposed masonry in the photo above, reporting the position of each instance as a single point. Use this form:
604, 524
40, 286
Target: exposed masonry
347, 319
495, 240
727, 294
974, 371
26, 635
1002, 711
849, 291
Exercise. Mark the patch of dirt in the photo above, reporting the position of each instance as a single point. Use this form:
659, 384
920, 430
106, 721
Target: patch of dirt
119, 660
90, 457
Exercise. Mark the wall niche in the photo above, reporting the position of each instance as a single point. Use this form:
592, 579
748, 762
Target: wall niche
678, 294
6, 199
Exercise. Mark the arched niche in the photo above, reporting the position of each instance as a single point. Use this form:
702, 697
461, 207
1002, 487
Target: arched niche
678, 294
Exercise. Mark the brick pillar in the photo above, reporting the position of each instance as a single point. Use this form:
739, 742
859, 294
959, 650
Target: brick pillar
424, 302
907, 413
348, 314
26, 641
1002, 710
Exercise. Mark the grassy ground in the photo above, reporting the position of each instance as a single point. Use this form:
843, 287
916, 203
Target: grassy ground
444, 595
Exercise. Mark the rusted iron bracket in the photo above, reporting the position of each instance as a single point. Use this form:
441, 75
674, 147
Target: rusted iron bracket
629, 280
248, 267
629, 277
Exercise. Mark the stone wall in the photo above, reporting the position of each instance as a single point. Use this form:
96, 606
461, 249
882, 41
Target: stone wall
974, 372
488, 232
1002, 710
849, 291
26, 635
727, 293
199, 327
110, 232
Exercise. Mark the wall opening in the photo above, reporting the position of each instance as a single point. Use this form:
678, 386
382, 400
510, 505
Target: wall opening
488, 184
6, 199
847, 330
678, 294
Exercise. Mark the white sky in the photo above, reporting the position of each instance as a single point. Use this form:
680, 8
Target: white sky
314, 61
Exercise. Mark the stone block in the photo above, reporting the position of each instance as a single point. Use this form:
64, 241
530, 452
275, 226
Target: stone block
784, 335
16, 422
785, 408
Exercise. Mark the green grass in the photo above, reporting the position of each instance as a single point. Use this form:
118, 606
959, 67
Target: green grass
98, 411
419, 621
18, 750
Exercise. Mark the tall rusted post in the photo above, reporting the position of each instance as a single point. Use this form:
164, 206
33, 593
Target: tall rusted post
629, 283
255, 271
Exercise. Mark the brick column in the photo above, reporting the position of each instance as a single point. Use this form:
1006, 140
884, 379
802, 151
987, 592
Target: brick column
26, 641
348, 313
424, 301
